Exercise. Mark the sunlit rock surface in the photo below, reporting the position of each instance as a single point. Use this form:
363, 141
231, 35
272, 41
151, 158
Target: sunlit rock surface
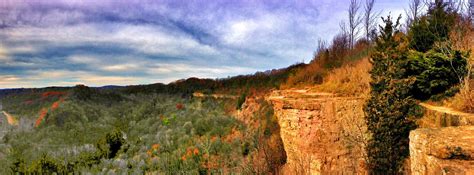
321, 133
448, 150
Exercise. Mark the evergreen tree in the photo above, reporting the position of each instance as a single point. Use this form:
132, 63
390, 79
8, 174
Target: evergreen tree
401, 77
390, 109
433, 27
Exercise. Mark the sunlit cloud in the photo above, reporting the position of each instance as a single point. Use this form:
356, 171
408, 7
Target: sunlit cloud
3, 54
65, 42
121, 67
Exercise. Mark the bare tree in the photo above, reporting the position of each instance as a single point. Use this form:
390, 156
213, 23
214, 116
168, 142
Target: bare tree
458, 6
413, 11
343, 39
354, 21
471, 9
369, 18
322, 46
343, 28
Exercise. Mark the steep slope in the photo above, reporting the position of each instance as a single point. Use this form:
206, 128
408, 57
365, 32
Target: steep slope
321, 132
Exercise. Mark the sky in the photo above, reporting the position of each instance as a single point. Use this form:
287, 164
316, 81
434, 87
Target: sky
124, 42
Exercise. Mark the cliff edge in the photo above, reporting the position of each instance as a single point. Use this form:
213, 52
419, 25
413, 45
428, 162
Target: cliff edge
321, 132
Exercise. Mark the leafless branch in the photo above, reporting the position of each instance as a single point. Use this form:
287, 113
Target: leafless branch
369, 18
355, 19
413, 11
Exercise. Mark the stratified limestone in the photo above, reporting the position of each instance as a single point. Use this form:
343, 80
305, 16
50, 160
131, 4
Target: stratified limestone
321, 133
447, 150
437, 117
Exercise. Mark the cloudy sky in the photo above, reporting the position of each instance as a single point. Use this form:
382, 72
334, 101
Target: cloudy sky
103, 42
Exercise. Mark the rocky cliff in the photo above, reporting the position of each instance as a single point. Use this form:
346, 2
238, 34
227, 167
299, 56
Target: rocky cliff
447, 150
321, 133
325, 134
444, 144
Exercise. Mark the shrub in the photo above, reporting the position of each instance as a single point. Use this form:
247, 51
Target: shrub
46, 165
435, 72
110, 145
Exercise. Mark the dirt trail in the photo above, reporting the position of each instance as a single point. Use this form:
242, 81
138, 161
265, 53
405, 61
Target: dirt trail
445, 110
10, 119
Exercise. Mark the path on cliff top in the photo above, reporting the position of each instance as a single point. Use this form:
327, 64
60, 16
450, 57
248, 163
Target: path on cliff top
445, 110
304, 93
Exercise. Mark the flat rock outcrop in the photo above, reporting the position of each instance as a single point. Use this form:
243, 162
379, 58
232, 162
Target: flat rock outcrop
321, 133
438, 116
448, 150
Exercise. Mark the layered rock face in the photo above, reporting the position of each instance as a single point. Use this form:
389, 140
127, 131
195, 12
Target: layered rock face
438, 117
325, 134
447, 150
321, 133
444, 144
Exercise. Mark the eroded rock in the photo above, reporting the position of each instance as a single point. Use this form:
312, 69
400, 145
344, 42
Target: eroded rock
321, 133
448, 150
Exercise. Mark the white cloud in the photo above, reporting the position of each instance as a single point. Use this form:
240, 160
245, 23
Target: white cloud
198, 71
97, 80
43, 78
147, 39
8, 78
166, 40
241, 31
121, 67
81, 59
158, 40
3, 54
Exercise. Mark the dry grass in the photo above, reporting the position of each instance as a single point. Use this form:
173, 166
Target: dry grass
464, 100
311, 74
351, 79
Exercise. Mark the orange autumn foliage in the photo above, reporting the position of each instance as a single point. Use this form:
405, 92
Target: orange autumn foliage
43, 113
46, 95
179, 106
149, 153
213, 138
190, 152
196, 151
153, 152
55, 105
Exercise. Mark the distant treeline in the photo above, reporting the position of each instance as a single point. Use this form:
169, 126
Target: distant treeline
259, 81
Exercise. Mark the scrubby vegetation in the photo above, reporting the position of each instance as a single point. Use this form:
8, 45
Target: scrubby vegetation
327, 58
133, 133
407, 69
351, 79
